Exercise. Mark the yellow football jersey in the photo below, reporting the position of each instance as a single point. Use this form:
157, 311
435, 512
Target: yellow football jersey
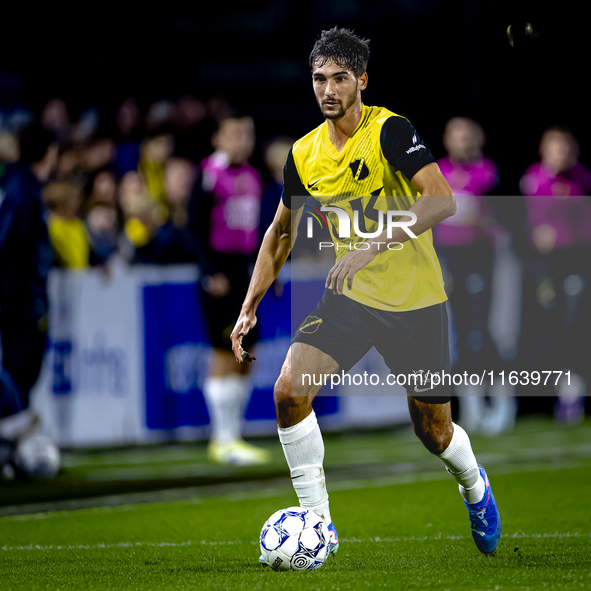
372, 173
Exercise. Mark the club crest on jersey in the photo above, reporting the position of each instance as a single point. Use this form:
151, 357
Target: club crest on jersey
311, 324
359, 169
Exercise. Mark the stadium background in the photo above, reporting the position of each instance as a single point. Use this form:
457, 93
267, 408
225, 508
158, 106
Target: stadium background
162, 515
430, 61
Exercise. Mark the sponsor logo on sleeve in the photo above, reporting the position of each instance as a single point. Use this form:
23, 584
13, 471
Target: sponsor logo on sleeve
416, 147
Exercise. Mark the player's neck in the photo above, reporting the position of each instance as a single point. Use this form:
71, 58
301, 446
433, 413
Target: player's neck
340, 130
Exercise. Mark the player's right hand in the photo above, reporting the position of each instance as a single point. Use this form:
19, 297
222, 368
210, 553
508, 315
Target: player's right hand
242, 327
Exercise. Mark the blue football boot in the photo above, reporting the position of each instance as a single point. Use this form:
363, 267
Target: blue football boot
333, 545
485, 519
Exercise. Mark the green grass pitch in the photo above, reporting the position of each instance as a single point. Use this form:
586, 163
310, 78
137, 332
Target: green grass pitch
408, 530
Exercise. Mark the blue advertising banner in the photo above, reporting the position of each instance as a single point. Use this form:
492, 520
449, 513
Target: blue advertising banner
176, 350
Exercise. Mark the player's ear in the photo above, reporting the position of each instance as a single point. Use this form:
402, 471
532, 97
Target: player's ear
362, 80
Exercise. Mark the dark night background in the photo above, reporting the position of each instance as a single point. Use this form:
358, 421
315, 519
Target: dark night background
430, 60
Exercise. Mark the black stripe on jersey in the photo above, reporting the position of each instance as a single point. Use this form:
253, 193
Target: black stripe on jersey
403, 148
294, 193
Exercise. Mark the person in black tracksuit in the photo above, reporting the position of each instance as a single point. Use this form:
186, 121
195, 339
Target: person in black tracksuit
25, 259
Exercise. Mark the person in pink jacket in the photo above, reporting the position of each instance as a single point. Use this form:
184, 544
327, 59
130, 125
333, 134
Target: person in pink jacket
465, 243
556, 308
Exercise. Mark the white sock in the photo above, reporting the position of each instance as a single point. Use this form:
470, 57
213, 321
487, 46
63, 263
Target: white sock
461, 463
225, 397
241, 396
304, 451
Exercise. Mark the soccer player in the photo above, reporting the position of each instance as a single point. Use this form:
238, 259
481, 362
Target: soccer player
224, 218
391, 299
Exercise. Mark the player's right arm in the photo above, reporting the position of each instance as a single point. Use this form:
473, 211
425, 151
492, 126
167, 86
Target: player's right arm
275, 249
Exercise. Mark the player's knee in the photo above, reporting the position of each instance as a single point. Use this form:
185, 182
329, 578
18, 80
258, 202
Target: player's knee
282, 390
435, 437
289, 407
282, 394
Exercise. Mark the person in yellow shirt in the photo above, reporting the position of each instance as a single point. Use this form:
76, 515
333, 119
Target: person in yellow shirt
370, 171
67, 232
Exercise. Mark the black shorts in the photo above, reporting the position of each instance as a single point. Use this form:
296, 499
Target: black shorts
408, 341
221, 314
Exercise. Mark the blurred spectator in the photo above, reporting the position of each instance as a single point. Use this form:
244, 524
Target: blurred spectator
104, 187
25, 260
466, 168
218, 109
556, 299
103, 226
128, 119
103, 215
559, 171
193, 129
143, 216
179, 176
86, 126
275, 157
78, 163
9, 150
224, 217
14, 119
98, 154
69, 166
465, 245
56, 119
156, 149
160, 114
171, 242
129, 131
68, 234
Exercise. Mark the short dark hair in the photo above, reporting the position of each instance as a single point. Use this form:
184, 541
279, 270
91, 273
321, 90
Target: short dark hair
34, 141
342, 47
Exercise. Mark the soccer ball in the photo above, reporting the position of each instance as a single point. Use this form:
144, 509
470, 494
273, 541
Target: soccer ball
38, 456
294, 539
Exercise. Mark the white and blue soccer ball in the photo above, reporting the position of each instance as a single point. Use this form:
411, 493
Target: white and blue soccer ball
295, 539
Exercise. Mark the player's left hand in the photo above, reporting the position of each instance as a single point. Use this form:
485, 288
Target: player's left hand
346, 268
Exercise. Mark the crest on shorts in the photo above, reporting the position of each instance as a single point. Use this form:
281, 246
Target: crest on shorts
310, 324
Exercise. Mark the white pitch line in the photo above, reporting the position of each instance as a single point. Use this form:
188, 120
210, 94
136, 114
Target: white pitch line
369, 540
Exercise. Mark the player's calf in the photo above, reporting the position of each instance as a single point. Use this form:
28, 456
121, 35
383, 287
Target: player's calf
435, 438
432, 424
451, 444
